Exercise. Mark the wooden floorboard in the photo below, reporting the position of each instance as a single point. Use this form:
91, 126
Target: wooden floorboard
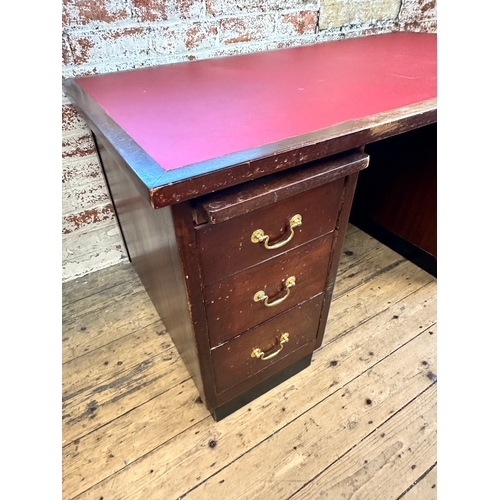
359, 422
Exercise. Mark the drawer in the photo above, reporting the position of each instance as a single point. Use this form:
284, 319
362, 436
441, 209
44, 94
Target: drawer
231, 305
233, 362
227, 247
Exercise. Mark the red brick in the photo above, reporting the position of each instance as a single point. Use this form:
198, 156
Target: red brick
84, 219
201, 35
67, 56
77, 146
418, 15
80, 47
231, 7
83, 172
91, 195
165, 40
149, 10
81, 12
104, 47
425, 26
71, 119
166, 10
298, 23
415, 11
246, 29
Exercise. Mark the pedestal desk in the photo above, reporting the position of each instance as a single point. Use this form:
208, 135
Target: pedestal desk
232, 181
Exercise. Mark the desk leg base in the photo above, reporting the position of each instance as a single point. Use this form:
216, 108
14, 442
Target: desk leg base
240, 401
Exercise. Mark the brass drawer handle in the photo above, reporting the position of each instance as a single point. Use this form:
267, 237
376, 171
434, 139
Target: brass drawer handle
261, 295
257, 353
258, 236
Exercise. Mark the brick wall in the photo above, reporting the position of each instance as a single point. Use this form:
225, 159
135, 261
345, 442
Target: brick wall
100, 36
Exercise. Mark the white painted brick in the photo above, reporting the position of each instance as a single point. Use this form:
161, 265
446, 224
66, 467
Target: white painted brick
154, 10
102, 46
87, 219
418, 15
294, 5
418, 10
199, 36
80, 171
84, 253
235, 7
101, 36
89, 241
92, 12
77, 146
297, 23
86, 198
64, 98
337, 13
246, 29
68, 204
89, 263
67, 55
72, 121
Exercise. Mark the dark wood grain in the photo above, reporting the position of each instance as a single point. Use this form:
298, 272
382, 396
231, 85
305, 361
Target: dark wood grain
339, 236
233, 361
193, 285
404, 202
155, 254
280, 365
241, 199
230, 307
227, 247
261, 388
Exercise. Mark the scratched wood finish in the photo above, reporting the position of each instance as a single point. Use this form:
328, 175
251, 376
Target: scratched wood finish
273, 189
360, 420
232, 239
230, 306
364, 95
163, 248
233, 362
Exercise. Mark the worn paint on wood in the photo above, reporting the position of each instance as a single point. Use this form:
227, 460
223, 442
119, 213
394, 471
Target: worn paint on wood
152, 436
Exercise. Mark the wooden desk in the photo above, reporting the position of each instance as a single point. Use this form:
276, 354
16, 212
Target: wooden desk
233, 179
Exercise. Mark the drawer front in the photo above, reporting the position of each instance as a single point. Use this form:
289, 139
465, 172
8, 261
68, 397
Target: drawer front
231, 304
233, 362
227, 247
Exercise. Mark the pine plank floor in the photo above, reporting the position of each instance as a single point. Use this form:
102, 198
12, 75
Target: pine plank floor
360, 422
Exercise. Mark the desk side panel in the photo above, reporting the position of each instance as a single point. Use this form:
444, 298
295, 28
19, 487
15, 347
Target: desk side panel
152, 245
350, 182
399, 191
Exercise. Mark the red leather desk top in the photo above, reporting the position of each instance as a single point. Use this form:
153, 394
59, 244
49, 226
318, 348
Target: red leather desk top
186, 129
186, 113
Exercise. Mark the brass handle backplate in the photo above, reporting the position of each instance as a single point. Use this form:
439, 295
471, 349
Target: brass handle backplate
261, 295
258, 236
257, 353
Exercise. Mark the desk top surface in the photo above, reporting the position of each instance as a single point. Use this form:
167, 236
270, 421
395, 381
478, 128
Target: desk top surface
192, 119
